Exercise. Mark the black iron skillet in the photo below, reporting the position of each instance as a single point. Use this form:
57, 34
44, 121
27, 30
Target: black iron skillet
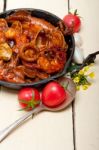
69, 39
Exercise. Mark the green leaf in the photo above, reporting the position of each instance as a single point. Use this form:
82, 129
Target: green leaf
75, 12
23, 101
36, 102
73, 67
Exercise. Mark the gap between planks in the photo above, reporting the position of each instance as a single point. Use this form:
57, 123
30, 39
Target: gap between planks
73, 107
74, 125
4, 5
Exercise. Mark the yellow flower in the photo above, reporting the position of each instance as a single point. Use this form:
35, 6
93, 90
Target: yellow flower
81, 78
86, 68
91, 75
85, 87
81, 72
76, 79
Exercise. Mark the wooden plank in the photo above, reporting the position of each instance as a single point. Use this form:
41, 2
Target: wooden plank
58, 7
1, 5
47, 130
87, 102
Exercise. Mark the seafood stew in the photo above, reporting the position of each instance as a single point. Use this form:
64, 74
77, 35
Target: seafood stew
32, 50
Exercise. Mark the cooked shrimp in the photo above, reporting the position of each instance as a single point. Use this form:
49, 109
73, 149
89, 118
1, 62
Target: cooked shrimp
52, 61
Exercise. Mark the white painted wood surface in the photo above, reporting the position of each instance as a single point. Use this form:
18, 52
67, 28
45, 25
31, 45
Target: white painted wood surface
53, 131
47, 131
87, 103
58, 7
1, 5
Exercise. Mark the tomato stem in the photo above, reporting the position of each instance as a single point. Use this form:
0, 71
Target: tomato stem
75, 12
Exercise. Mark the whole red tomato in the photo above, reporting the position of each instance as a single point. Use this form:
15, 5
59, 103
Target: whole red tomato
73, 21
29, 98
53, 94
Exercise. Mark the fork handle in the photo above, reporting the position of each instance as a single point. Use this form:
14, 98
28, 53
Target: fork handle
5, 132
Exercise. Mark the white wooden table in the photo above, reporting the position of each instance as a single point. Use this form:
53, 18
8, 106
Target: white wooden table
76, 128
